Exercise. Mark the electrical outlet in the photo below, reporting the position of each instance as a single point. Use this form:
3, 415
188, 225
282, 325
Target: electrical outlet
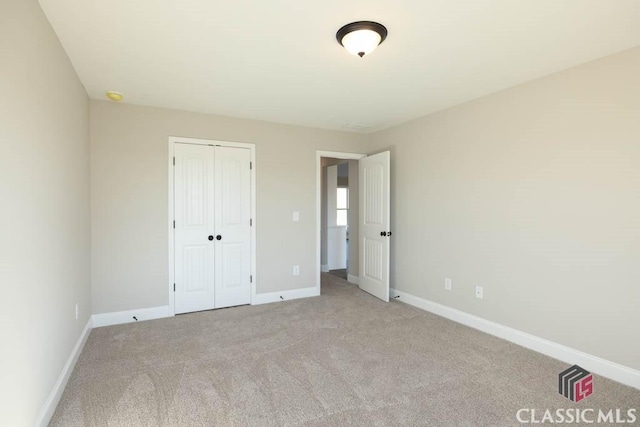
77, 311
479, 292
447, 284
296, 270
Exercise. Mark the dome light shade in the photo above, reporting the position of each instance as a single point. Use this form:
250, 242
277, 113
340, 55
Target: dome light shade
362, 37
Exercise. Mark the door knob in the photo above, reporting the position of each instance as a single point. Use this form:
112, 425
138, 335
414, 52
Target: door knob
383, 233
210, 237
218, 237
389, 234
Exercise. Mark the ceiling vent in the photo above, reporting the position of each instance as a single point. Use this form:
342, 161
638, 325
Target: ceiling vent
356, 126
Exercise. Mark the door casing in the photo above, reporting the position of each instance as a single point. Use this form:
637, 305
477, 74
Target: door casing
172, 141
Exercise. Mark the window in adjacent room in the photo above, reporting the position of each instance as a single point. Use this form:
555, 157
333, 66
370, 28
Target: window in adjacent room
343, 206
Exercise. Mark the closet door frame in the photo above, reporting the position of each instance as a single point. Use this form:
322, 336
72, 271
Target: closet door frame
171, 267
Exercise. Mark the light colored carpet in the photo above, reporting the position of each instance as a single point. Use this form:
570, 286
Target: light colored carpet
344, 358
342, 273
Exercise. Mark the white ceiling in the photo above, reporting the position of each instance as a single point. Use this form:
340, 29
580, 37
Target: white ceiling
278, 60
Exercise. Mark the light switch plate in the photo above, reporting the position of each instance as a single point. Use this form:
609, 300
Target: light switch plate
296, 216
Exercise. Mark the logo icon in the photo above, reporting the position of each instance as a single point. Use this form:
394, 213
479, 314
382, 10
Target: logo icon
575, 383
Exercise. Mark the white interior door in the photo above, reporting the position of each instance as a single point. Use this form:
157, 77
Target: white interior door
194, 224
374, 224
233, 229
212, 211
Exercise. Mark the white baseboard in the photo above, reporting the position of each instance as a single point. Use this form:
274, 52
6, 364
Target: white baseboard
120, 317
353, 279
54, 397
286, 295
324, 268
597, 365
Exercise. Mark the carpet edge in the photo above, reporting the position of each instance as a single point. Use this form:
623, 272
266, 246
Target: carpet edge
606, 368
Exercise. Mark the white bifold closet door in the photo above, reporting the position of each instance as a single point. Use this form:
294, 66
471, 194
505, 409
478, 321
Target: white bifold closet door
212, 196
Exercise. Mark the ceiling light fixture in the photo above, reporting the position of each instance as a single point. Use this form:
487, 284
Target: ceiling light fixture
115, 96
362, 37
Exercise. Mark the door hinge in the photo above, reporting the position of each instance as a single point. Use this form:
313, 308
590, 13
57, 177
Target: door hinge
174, 161
174, 287
250, 279
174, 224
251, 222
250, 165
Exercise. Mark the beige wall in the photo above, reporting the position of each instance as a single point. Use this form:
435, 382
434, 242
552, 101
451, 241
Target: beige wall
44, 244
534, 194
129, 151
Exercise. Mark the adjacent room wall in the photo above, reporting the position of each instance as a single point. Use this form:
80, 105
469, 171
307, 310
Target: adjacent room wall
336, 235
330, 188
353, 214
45, 245
129, 158
325, 162
534, 194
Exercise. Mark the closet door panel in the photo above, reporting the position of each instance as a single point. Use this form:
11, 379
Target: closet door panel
194, 216
233, 215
